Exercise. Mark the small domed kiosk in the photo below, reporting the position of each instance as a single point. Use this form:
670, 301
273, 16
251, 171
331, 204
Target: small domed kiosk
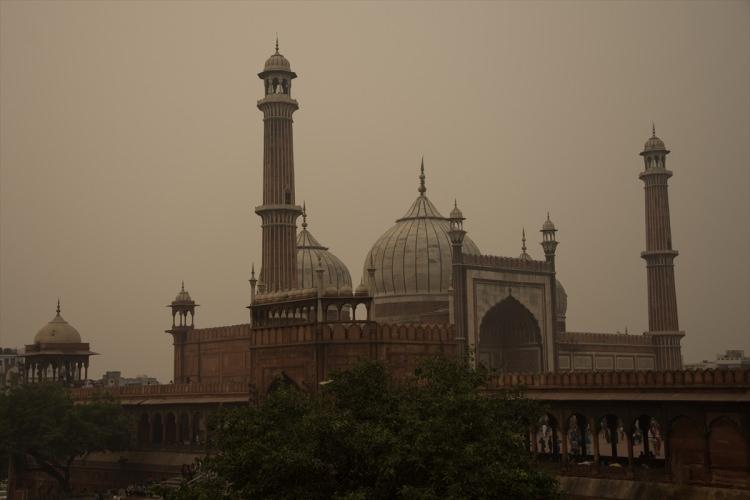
57, 354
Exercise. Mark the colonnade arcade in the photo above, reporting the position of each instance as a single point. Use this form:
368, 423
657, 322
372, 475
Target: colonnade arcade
686, 447
300, 312
71, 370
182, 427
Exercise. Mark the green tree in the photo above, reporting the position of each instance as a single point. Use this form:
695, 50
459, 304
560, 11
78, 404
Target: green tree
366, 436
41, 422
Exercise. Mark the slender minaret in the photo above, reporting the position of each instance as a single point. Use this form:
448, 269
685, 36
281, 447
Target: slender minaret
457, 234
278, 211
659, 257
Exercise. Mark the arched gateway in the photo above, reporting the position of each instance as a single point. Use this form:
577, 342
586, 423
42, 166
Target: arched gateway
510, 339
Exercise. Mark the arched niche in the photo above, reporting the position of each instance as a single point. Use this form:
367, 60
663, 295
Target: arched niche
510, 339
687, 446
728, 448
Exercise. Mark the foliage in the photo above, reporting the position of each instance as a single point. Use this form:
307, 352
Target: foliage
42, 422
366, 436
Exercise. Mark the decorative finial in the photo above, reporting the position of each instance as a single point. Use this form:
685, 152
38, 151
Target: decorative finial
524, 254
277, 42
653, 130
547, 214
182, 287
422, 187
58, 306
252, 271
455, 203
304, 215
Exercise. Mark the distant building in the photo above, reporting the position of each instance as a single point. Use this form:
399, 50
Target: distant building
733, 358
115, 379
11, 366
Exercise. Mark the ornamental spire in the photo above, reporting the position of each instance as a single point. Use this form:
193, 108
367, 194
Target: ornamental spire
58, 306
422, 187
524, 254
304, 215
653, 129
277, 42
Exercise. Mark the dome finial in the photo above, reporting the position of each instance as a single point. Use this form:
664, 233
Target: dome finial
252, 271
304, 215
653, 129
277, 42
182, 286
422, 187
58, 306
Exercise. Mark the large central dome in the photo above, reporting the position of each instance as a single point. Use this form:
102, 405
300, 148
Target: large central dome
414, 256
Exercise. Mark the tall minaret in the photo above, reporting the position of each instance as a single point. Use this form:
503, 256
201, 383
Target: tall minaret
659, 257
278, 212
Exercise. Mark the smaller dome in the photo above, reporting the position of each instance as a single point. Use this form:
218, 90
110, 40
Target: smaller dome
548, 225
277, 62
311, 256
654, 144
361, 291
57, 331
345, 290
331, 291
183, 297
456, 212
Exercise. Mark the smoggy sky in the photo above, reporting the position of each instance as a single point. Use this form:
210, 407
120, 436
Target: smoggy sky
131, 152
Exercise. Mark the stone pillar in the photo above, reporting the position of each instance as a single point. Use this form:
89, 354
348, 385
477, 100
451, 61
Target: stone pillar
595, 441
629, 444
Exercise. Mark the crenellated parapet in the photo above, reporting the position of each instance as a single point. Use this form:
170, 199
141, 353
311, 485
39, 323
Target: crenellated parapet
590, 338
510, 263
676, 380
219, 333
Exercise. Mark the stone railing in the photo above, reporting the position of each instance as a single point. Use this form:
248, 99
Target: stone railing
604, 338
731, 378
176, 391
506, 263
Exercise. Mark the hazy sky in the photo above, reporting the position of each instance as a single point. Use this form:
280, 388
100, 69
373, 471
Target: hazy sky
131, 152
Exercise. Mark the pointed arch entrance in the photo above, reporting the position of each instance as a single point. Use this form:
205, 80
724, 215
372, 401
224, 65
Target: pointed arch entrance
510, 339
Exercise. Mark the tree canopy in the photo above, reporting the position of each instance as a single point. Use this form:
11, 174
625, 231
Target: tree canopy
41, 422
367, 436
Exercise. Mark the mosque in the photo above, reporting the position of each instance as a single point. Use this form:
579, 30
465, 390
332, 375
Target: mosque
616, 401
426, 289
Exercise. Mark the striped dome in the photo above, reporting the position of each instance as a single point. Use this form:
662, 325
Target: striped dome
414, 256
335, 273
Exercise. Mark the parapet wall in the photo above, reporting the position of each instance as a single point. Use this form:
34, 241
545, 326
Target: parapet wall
604, 338
174, 392
507, 263
642, 380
